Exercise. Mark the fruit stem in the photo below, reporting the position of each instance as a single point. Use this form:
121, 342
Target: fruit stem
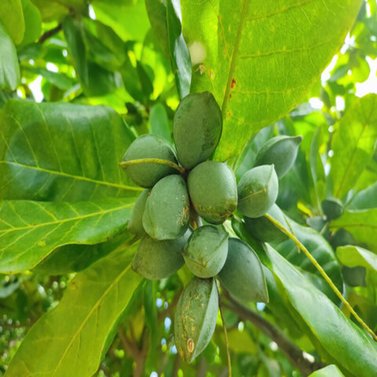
225, 336
301, 247
139, 161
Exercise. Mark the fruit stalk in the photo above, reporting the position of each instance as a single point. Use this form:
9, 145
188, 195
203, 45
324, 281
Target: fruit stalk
139, 161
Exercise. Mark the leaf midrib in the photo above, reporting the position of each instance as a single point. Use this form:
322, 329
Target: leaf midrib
75, 177
76, 218
115, 281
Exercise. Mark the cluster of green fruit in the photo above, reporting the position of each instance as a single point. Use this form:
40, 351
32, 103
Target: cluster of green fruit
180, 214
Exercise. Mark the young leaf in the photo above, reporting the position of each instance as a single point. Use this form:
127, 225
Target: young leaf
30, 231
339, 338
353, 144
329, 371
257, 72
353, 256
62, 152
70, 340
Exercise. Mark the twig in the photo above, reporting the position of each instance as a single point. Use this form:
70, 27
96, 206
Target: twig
322, 272
293, 353
49, 33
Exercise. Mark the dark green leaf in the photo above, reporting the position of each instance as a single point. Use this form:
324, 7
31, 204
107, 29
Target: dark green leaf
9, 68
70, 340
62, 152
340, 340
179, 54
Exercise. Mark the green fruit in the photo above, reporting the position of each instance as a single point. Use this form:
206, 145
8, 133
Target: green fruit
213, 191
167, 210
332, 208
197, 128
281, 151
263, 230
135, 224
195, 317
242, 275
257, 191
159, 259
206, 251
149, 146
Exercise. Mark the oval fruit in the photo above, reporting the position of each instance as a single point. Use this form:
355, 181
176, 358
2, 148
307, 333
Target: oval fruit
195, 317
213, 191
281, 151
149, 146
242, 275
206, 251
257, 191
263, 230
135, 224
159, 259
332, 208
167, 210
197, 128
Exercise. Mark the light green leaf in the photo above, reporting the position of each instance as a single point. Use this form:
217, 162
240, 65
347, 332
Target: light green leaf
329, 371
128, 19
62, 152
353, 256
12, 17
70, 340
9, 67
339, 339
361, 224
261, 57
33, 22
30, 231
353, 144
365, 199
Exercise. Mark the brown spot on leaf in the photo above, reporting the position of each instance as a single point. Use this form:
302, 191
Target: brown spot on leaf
233, 83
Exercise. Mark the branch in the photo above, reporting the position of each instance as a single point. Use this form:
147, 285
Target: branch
293, 353
49, 33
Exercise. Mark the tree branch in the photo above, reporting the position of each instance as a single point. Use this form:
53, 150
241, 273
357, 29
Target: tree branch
49, 33
293, 353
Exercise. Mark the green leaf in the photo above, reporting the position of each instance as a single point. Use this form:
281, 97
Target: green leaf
94, 79
12, 17
71, 339
62, 152
128, 19
33, 22
9, 68
361, 224
159, 122
51, 10
353, 256
260, 58
179, 53
365, 199
339, 339
30, 231
329, 371
353, 144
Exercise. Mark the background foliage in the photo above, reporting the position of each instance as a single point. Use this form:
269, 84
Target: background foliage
79, 81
